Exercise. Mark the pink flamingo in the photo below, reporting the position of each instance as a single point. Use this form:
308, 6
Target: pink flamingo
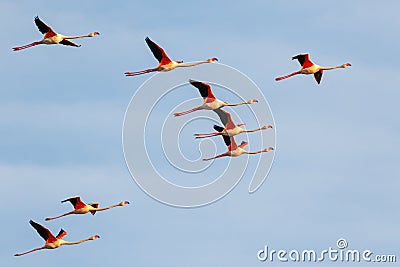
231, 128
51, 37
165, 63
234, 150
210, 101
308, 67
52, 241
81, 208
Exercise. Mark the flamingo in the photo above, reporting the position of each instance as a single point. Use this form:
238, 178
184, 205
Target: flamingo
81, 208
52, 241
308, 67
165, 63
234, 150
231, 128
51, 37
210, 101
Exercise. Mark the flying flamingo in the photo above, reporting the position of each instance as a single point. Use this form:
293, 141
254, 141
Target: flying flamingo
308, 67
81, 208
231, 128
210, 101
165, 63
52, 241
51, 37
234, 150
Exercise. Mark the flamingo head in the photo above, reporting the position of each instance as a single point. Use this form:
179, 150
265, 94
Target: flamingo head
346, 65
268, 149
123, 203
93, 34
212, 59
267, 127
94, 237
252, 101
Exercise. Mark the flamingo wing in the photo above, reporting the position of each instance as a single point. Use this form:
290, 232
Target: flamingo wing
304, 60
233, 145
243, 144
75, 201
222, 115
61, 234
94, 205
158, 52
218, 128
227, 140
43, 231
43, 27
204, 89
318, 76
226, 118
68, 42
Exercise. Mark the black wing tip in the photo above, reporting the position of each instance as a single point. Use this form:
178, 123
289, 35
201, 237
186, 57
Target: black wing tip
218, 128
33, 224
227, 140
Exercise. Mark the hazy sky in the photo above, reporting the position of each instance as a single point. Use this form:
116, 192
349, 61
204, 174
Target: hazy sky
335, 173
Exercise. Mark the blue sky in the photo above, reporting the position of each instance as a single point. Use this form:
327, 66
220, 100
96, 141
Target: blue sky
335, 172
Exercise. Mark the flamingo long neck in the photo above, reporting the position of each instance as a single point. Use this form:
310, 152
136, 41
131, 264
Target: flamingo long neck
192, 64
76, 242
33, 250
254, 152
105, 208
331, 68
76, 36
237, 104
69, 213
254, 130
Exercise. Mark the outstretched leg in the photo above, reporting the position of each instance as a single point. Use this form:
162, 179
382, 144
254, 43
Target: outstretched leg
20, 254
208, 135
177, 114
140, 72
26, 46
69, 213
219, 156
287, 76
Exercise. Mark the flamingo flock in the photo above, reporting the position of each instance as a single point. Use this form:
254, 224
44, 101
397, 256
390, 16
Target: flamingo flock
211, 103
